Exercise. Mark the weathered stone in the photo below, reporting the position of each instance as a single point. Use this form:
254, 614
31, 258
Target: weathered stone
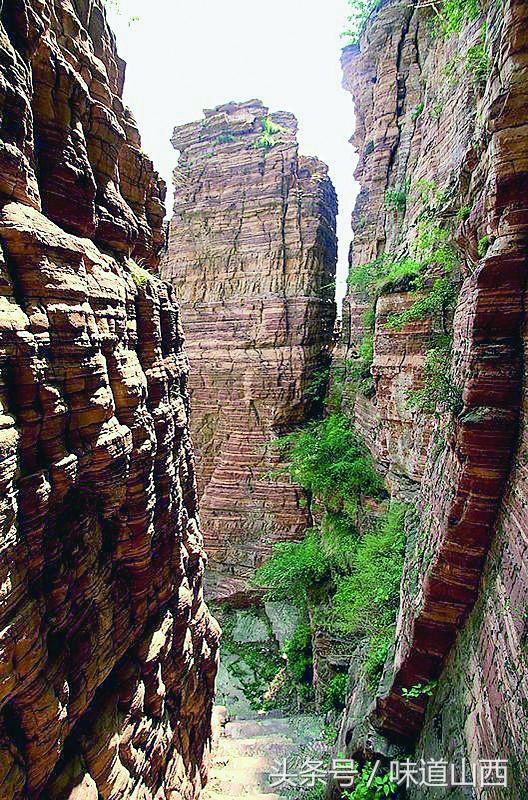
107, 650
413, 124
252, 253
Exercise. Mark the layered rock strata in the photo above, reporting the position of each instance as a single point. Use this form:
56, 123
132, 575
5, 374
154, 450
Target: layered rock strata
107, 650
448, 115
252, 255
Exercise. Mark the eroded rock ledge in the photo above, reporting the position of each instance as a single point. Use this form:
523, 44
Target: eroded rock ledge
107, 650
252, 255
427, 122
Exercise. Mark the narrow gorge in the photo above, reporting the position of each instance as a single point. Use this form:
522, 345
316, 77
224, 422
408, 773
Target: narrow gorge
217, 482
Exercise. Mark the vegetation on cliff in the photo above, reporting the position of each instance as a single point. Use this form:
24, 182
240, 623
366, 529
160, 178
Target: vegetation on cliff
345, 574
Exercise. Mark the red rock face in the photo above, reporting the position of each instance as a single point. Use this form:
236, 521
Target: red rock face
470, 140
107, 650
251, 256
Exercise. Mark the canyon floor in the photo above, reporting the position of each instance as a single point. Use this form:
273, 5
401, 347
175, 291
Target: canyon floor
246, 752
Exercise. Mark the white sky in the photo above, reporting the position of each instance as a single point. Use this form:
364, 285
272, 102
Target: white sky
187, 55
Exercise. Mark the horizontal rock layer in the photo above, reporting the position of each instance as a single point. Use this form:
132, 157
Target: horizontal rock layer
107, 650
252, 255
468, 138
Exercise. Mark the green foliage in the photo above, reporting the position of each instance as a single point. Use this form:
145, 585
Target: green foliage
335, 693
139, 274
328, 459
270, 134
483, 245
359, 371
416, 112
477, 60
453, 15
366, 787
374, 277
436, 110
317, 389
463, 213
294, 568
439, 393
432, 246
366, 600
437, 299
224, 138
315, 793
420, 690
360, 11
298, 651
396, 199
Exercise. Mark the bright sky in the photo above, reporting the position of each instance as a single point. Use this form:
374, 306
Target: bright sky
187, 55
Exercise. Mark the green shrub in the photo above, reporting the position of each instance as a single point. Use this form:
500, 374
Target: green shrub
270, 134
139, 274
482, 246
316, 391
360, 11
477, 60
224, 138
439, 393
294, 568
328, 459
366, 601
416, 112
437, 300
385, 271
366, 787
299, 656
420, 690
396, 199
463, 213
335, 693
453, 15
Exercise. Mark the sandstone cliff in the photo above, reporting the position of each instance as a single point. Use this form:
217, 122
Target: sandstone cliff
440, 248
107, 651
252, 254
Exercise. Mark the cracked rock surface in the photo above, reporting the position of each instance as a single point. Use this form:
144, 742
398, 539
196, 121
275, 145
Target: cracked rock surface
107, 650
251, 256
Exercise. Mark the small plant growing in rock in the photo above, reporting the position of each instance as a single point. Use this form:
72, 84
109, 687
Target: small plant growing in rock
483, 245
224, 138
439, 393
436, 110
270, 134
369, 785
416, 112
139, 274
420, 690
463, 213
360, 11
396, 199
477, 60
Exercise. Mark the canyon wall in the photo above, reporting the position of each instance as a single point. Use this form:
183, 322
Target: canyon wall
252, 256
107, 650
442, 132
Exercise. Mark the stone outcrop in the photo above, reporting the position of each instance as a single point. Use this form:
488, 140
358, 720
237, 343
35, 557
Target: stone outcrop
107, 650
252, 254
429, 120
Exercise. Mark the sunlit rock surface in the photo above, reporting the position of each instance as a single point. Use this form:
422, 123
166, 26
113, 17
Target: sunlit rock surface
252, 254
107, 650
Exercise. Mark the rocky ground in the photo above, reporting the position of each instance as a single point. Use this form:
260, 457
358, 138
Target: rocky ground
247, 752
